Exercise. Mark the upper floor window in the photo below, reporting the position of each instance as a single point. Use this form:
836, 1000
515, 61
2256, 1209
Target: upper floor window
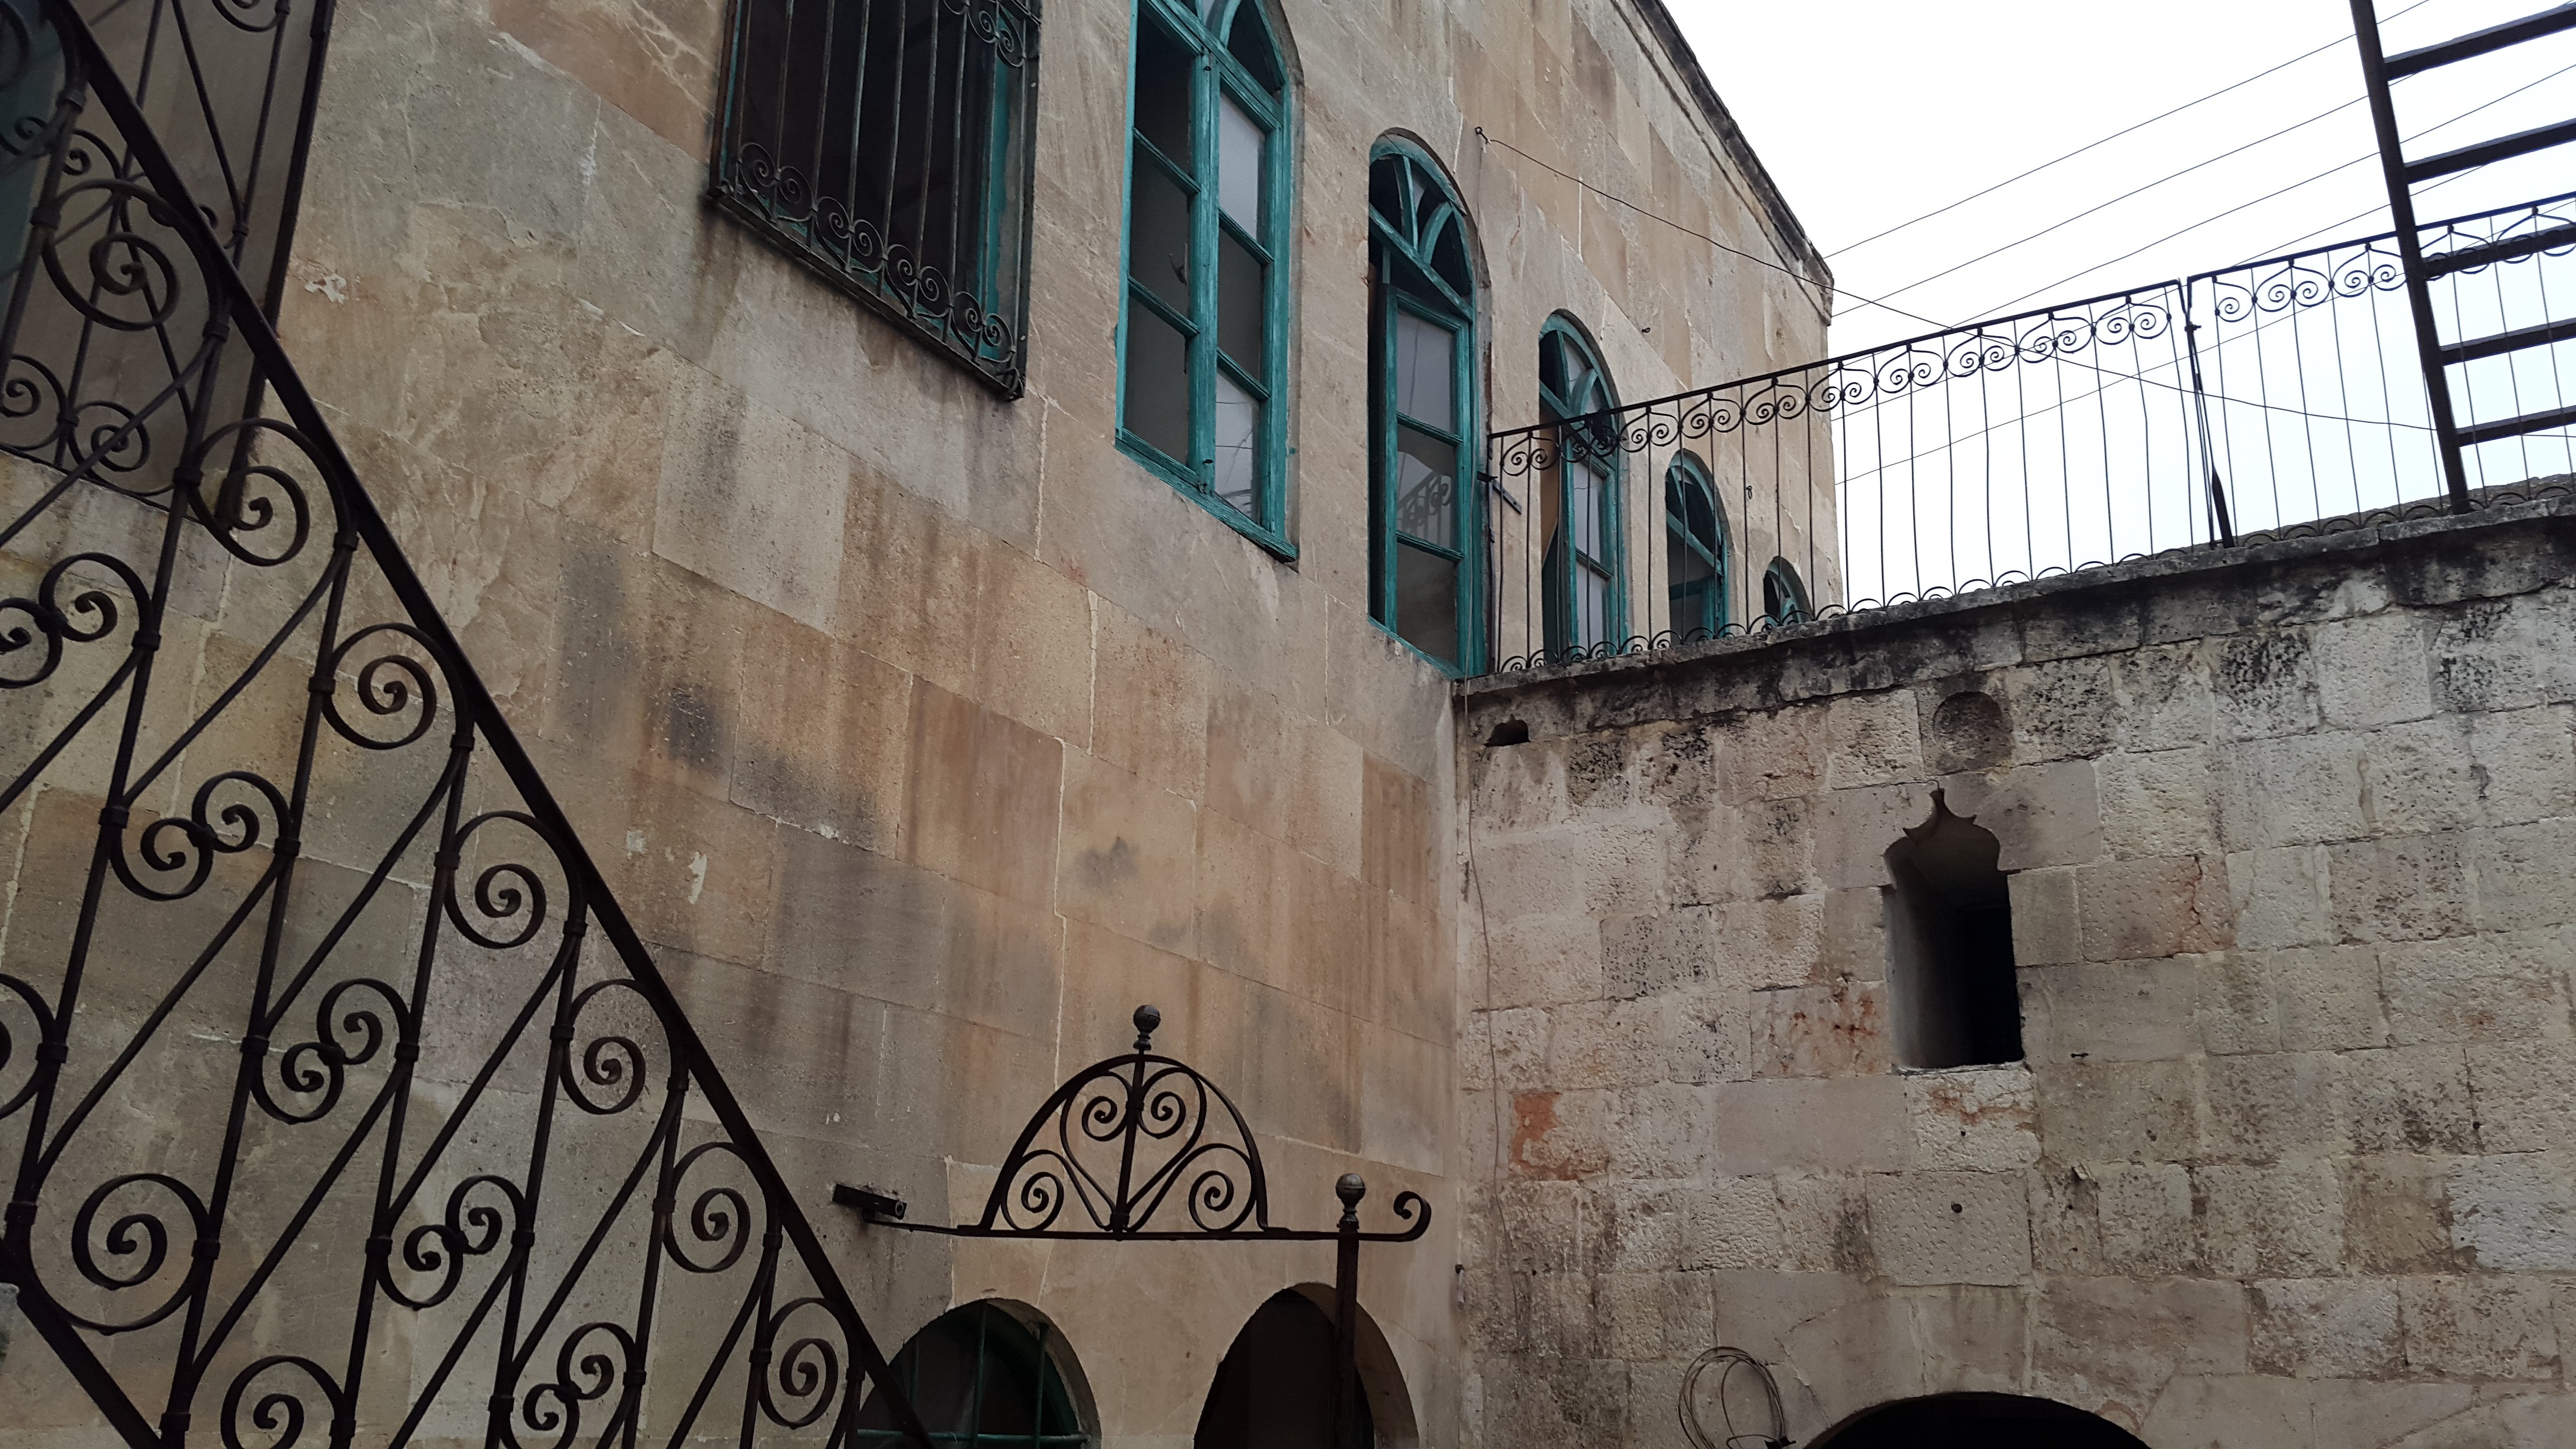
885, 143
1578, 503
1784, 598
1422, 370
1694, 551
1204, 345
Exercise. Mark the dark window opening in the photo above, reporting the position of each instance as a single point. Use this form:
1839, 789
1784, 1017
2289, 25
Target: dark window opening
1784, 598
886, 145
1951, 990
1275, 1388
978, 1376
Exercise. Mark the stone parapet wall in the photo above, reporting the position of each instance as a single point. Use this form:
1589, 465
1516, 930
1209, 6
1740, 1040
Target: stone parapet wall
2291, 1161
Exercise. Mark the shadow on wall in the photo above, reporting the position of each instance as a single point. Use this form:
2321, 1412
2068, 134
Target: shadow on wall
1975, 1421
1949, 946
1275, 1388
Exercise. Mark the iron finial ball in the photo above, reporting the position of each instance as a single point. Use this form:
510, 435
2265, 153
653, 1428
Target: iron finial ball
1351, 1189
1147, 1020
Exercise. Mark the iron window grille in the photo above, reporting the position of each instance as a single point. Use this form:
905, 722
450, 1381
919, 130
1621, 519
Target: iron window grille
1581, 591
1423, 402
981, 1379
1203, 348
886, 145
1694, 551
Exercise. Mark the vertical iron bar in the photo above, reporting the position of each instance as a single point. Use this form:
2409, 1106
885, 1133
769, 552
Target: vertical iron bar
2410, 247
1346, 1314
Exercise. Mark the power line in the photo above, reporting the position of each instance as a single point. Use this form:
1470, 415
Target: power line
1703, 236
2257, 201
2123, 196
2116, 135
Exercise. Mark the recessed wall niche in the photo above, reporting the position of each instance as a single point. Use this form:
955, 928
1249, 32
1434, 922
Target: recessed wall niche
1950, 984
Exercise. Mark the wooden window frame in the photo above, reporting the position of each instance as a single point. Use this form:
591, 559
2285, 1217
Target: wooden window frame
1215, 73
1405, 278
1686, 471
1563, 609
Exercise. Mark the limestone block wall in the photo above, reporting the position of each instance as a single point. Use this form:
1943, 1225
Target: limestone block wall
924, 735
2291, 1160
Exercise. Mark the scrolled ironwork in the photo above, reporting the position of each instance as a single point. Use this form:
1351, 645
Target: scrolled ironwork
296, 894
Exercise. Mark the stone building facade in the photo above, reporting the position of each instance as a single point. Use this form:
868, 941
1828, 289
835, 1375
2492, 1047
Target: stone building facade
2286, 1157
923, 732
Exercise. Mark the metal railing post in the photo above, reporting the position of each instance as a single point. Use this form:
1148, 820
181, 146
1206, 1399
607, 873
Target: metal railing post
2222, 526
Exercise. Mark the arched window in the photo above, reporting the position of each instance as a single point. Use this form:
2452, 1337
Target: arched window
979, 1376
1204, 346
1694, 551
1422, 370
1579, 504
1784, 599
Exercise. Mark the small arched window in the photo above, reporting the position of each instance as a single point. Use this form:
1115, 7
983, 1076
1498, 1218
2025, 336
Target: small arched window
1579, 503
1422, 370
1784, 598
1694, 552
981, 1379
1204, 346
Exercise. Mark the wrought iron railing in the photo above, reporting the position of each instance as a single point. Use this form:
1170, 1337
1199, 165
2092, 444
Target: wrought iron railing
338, 1096
2265, 399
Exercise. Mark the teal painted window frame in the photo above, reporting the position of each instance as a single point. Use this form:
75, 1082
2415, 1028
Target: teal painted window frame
1561, 566
1709, 615
1405, 277
1217, 72
999, 1337
1784, 595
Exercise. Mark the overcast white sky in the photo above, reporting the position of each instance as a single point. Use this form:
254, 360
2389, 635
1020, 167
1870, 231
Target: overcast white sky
1869, 112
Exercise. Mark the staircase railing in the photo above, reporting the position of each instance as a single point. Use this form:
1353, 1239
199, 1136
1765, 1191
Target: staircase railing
339, 1097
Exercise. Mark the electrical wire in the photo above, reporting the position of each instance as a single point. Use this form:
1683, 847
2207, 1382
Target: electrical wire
2116, 135
2267, 196
1703, 236
2125, 195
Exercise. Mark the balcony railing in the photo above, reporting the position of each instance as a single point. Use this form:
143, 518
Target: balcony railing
2258, 401
340, 1100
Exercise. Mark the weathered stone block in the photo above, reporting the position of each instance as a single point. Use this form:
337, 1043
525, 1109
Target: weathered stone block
1821, 1031
2269, 1107
2141, 1111
2292, 790
1648, 955
1820, 1124
2280, 897
2522, 875
1872, 739
2040, 815
1543, 961
2526, 1095
2045, 926
2330, 999
2265, 684
2120, 1011
2325, 1328
1563, 1136
2397, 1215
2409, 1099
1824, 1225
1732, 1223
2101, 1342
2477, 988
2165, 803
2409, 888
2061, 710
2166, 700
1770, 943
1950, 1227
2516, 1212
1125, 844
2235, 1008
1975, 1119
2133, 909
1665, 1130
2145, 1218
2373, 671
1149, 702
2267, 1221
2480, 1328
984, 796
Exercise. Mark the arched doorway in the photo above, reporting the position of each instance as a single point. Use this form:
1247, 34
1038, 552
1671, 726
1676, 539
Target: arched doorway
1976, 1421
1274, 1389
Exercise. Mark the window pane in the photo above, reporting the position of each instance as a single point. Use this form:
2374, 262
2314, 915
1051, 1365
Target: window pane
1687, 565
1593, 624
1158, 382
1426, 487
1239, 141
1239, 292
1248, 40
1164, 70
1158, 235
1583, 499
1426, 602
1425, 370
1238, 446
